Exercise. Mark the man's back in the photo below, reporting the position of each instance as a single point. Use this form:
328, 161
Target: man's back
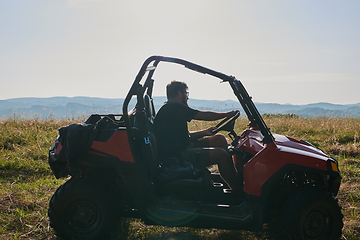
171, 128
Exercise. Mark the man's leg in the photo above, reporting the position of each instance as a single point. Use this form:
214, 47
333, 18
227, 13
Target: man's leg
213, 150
210, 156
226, 167
215, 141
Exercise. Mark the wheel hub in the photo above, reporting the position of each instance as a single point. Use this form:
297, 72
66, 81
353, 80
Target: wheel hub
82, 216
315, 224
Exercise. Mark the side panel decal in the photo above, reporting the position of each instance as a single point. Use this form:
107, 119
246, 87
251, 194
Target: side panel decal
117, 146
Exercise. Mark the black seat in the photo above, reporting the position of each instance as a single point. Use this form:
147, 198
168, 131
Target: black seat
143, 124
149, 108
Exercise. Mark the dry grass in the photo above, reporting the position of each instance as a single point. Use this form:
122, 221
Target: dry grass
27, 183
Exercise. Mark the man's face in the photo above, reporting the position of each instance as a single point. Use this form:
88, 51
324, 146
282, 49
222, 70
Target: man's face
184, 97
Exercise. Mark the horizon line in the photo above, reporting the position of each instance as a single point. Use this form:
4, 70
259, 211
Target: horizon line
189, 99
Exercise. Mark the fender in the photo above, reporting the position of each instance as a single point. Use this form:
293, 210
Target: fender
271, 159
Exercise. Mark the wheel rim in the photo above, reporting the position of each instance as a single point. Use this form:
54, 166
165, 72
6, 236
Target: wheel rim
317, 223
82, 216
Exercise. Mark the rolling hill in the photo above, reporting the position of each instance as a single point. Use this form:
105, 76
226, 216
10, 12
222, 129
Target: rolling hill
81, 107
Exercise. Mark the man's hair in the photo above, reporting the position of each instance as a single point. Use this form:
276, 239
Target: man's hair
174, 87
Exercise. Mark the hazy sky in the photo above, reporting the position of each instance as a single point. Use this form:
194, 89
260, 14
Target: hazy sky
283, 51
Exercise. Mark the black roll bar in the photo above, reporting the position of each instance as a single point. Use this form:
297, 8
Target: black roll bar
238, 89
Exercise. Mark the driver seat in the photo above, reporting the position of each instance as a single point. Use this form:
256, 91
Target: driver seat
149, 108
153, 162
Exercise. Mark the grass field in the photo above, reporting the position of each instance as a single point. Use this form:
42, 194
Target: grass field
27, 182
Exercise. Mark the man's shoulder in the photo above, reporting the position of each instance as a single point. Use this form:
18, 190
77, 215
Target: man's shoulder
175, 110
174, 105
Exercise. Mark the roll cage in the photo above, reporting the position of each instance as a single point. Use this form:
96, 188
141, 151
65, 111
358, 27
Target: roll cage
239, 90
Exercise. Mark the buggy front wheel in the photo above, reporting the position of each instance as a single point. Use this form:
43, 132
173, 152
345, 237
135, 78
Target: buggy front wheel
312, 213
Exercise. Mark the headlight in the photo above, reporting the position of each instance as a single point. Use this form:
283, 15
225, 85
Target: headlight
334, 166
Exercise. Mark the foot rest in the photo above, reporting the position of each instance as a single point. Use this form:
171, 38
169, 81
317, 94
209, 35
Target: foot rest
227, 191
217, 184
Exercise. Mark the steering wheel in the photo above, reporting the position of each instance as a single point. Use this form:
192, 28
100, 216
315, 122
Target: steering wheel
226, 124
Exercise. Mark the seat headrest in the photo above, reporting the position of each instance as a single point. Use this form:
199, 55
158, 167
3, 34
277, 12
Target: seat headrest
149, 107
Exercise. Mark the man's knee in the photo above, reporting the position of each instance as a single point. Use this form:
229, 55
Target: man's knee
218, 140
219, 155
219, 137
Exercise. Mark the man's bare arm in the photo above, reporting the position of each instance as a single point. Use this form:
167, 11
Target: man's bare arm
212, 116
202, 133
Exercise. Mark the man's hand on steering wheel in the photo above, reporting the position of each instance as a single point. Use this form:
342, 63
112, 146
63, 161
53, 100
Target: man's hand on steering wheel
210, 131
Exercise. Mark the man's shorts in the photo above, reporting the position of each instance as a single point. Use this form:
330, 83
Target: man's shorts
198, 154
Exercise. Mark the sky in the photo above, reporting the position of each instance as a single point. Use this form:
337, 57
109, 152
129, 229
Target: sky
283, 51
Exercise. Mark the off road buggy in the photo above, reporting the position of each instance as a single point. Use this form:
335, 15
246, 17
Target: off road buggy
114, 173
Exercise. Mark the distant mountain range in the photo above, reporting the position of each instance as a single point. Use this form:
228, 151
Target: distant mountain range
82, 107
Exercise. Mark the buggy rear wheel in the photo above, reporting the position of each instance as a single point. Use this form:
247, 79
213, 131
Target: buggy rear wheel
82, 209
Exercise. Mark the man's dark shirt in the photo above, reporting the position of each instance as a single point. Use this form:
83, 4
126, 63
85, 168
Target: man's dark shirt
171, 128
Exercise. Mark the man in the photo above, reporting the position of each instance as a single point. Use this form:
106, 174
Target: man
200, 147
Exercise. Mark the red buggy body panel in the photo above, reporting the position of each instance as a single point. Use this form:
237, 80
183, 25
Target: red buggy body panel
117, 146
270, 158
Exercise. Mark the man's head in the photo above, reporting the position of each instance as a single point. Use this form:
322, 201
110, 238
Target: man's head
177, 91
